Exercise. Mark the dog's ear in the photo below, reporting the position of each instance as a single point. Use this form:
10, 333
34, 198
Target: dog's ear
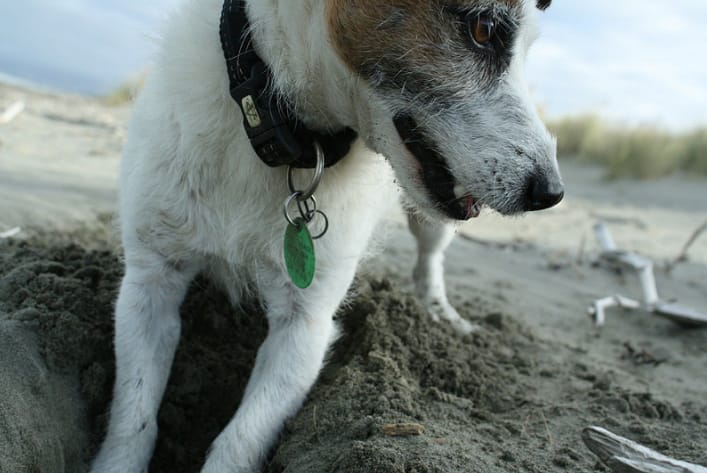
543, 4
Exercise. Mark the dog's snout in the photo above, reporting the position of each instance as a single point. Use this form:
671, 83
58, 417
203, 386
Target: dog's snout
542, 193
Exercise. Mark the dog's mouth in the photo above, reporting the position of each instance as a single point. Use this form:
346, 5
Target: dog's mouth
444, 190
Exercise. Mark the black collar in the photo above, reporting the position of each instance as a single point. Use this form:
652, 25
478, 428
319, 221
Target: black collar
276, 134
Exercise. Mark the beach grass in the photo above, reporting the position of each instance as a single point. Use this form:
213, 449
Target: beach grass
642, 152
125, 93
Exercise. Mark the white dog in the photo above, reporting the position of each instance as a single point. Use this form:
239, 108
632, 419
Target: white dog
433, 90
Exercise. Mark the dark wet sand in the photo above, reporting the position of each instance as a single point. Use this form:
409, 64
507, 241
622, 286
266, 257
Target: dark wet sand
503, 399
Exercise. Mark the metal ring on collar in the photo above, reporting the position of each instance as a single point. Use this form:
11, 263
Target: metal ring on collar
306, 218
307, 208
326, 225
318, 171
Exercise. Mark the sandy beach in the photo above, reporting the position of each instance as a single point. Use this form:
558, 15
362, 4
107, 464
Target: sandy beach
512, 397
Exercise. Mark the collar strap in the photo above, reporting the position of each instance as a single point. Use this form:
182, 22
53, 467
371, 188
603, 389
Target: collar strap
275, 133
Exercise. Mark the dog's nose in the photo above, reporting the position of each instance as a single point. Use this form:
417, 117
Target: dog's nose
543, 194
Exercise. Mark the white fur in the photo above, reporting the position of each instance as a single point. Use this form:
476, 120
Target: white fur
194, 197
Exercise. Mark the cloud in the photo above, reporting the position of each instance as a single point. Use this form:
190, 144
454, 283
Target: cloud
635, 61
632, 61
79, 45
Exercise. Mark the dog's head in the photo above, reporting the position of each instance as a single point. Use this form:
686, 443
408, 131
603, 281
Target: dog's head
447, 102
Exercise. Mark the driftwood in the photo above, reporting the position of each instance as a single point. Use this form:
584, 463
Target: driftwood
615, 258
12, 112
625, 456
10, 233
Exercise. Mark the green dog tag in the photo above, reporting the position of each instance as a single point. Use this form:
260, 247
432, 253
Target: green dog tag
299, 254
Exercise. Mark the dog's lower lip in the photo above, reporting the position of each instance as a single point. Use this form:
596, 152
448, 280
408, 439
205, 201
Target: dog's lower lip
441, 185
472, 209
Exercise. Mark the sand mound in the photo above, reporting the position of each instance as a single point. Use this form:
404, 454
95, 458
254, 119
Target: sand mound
499, 400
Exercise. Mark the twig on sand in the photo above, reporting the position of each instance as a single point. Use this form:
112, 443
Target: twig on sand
12, 112
582, 249
10, 233
546, 425
682, 256
641, 357
478, 241
550, 439
625, 456
403, 430
314, 423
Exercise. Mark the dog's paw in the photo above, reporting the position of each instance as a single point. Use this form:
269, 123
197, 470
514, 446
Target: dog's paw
443, 312
463, 326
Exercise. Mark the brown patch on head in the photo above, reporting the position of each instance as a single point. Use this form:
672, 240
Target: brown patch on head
362, 30
407, 44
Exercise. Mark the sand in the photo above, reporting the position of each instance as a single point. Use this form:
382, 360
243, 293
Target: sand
512, 397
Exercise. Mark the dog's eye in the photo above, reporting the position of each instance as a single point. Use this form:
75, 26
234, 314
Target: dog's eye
481, 29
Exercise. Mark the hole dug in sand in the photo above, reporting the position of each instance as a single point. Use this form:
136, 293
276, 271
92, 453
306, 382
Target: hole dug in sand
499, 400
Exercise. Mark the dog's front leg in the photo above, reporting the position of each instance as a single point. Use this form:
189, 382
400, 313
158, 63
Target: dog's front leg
432, 239
301, 329
147, 328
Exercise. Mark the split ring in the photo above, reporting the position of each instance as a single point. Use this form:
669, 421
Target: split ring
326, 225
288, 202
318, 172
307, 208
303, 206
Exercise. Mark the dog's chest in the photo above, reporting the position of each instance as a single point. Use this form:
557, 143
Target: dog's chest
242, 217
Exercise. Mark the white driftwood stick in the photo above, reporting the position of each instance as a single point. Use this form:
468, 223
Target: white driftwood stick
642, 265
625, 456
604, 237
685, 316
597, 310
10, 233
12, 112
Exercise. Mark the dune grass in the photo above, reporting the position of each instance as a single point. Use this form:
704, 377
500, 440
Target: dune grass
125, 93
638, 152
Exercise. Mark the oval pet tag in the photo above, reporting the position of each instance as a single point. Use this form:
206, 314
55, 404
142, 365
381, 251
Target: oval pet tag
299, 254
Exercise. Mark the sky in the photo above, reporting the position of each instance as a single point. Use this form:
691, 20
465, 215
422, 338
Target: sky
632, 61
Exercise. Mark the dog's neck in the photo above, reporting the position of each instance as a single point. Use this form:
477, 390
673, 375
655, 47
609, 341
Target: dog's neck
292, 38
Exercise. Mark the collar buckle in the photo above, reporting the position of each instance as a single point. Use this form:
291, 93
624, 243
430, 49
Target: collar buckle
276, 134
264, 122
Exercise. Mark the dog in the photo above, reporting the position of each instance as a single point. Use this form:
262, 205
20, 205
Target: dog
427, 97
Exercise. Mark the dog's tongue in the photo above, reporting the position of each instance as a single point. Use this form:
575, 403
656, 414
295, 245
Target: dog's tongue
471, 210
